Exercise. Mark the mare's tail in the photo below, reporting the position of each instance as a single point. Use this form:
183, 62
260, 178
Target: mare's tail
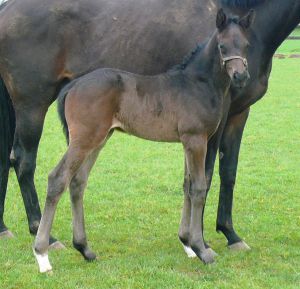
61, 107
7, 126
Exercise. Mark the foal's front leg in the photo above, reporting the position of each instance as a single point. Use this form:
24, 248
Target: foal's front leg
195, 149
184, 229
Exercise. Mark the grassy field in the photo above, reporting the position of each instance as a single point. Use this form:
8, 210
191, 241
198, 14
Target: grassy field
133, 205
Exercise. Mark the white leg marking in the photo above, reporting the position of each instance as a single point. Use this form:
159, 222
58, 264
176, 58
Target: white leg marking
189, 251
43, 262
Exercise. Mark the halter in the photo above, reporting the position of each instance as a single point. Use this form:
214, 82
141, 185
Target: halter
226, 59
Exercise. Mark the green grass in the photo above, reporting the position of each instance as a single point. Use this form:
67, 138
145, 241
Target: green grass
133, 203
296, 32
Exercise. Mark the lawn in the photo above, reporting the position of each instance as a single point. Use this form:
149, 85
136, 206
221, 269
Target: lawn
133, 205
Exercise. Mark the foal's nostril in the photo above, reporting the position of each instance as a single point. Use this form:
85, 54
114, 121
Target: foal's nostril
240, 76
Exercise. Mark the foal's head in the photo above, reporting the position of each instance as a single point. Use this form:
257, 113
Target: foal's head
233, 46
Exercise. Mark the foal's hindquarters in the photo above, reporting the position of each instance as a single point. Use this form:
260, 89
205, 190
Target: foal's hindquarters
96, 104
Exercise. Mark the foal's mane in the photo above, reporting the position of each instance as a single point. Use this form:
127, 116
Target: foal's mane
241, 3
189, 57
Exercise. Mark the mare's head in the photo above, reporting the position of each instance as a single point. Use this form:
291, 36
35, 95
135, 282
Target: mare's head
233, 45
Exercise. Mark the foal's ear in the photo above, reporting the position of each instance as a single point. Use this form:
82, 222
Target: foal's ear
248, 19
221, 19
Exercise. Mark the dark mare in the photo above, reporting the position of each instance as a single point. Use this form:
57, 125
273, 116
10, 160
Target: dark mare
185, 104
46, 43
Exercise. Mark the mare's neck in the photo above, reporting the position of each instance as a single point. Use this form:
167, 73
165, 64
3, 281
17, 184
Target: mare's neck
206, 66
275, 20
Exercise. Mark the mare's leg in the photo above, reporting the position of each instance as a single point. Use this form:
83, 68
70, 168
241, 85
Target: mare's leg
77, 187
4, 170
29, 126
7, 128
195, 148
229, 152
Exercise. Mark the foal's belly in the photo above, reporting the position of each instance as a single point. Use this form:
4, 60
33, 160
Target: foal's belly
147, 127
152, 119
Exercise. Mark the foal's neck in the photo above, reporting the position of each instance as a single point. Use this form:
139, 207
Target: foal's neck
207, 66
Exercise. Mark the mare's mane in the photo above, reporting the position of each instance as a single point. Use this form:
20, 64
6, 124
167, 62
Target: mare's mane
3, 4
241, 3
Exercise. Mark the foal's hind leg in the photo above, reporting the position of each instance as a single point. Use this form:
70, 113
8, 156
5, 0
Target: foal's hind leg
77, 187
58, 180
195, 148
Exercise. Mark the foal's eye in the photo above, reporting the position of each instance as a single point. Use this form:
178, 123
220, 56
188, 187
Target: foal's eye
222, 48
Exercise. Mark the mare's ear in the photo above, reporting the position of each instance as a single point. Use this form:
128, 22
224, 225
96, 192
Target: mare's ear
248, 19
221, 19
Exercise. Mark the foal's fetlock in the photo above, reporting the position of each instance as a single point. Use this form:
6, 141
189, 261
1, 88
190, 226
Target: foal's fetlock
184, 238
84, 251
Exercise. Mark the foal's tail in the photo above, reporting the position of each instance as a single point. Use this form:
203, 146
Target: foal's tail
7, 127
61, 106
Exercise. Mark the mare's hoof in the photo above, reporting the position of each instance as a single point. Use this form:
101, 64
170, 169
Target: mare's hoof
239, 246
57, 246
207, 256
189, 251
6, 234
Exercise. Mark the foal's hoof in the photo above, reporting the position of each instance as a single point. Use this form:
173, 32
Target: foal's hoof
239, 246
6, 234
207, 256
89, 255
57, 246
84, 250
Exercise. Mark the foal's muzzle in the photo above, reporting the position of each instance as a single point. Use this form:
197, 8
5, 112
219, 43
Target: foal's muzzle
237, 69
239, 80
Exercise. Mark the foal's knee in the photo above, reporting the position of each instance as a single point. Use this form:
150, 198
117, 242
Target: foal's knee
198, 193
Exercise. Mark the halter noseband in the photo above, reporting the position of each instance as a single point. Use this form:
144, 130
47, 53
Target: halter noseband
226, 59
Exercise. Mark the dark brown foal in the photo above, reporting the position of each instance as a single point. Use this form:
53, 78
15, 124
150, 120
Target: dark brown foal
185, 104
